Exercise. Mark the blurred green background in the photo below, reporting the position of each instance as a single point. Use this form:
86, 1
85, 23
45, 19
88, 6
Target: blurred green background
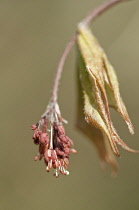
33, 35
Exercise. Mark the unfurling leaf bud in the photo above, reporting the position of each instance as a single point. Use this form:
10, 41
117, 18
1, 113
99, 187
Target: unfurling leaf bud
100, 91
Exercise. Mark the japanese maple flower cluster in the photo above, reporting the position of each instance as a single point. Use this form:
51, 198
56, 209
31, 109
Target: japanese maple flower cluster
98, 89
54, 145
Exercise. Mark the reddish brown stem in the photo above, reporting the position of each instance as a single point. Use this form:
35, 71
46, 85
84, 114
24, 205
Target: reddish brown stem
60, 68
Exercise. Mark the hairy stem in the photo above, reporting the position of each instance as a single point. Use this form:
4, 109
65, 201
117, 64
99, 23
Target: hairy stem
85, 22
60, 68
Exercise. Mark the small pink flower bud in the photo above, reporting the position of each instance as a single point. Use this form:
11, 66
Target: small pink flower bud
73, 151
63, 138
36, 158
33, 127
69, 140
61, 129
42, 150
59, 152
36, 141
36, 134
44, 138
67, 150
66, 145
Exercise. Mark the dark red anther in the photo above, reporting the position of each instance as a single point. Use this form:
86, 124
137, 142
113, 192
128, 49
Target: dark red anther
46, 158
64, 138
67, 151
36, 141
33, 127
36, 157
61, 130
37, 133
59, 152
44, 138
42, 150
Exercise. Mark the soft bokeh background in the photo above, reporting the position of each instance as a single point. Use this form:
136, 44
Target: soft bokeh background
33, 35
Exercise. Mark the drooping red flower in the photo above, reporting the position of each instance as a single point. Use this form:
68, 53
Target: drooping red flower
54, 145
